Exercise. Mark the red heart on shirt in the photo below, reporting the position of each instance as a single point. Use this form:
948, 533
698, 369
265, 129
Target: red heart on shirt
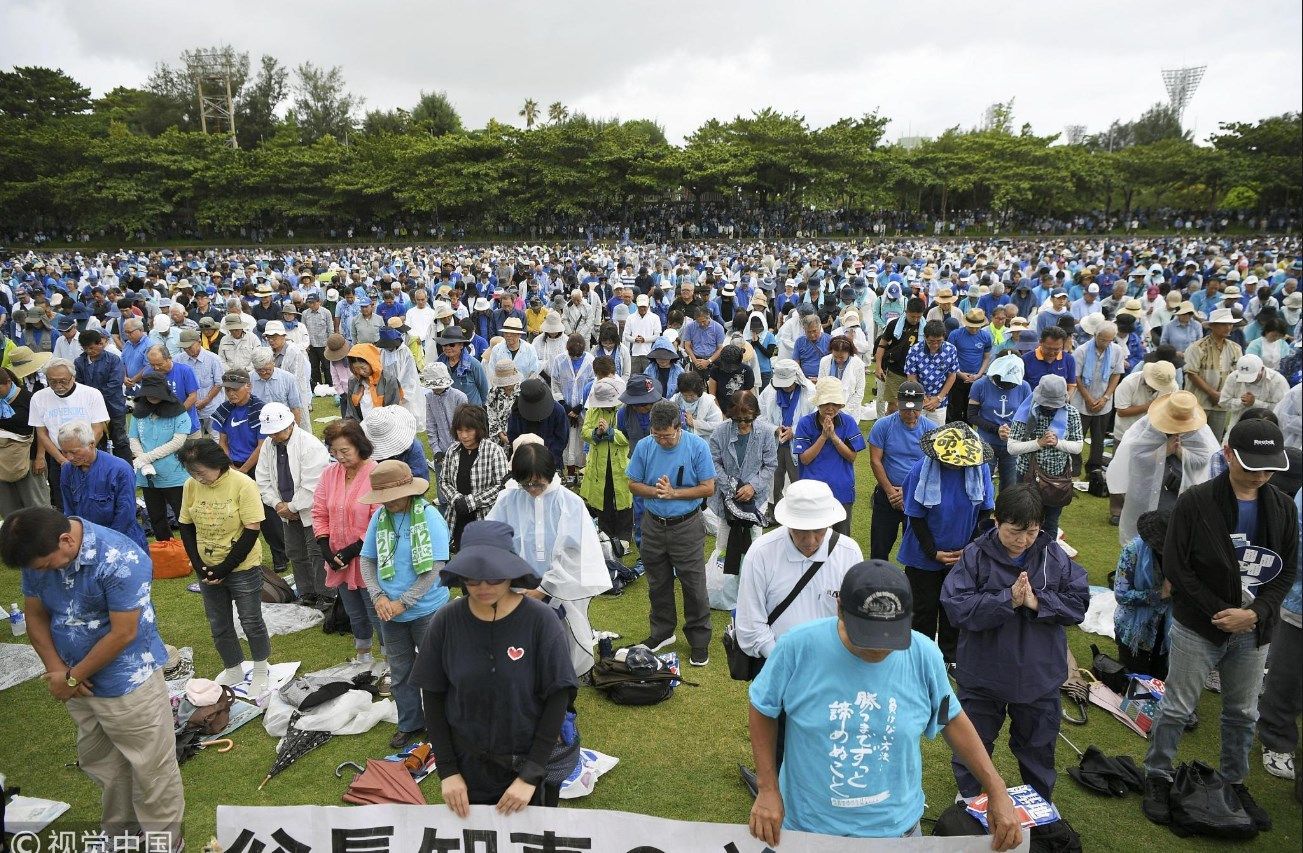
515, 653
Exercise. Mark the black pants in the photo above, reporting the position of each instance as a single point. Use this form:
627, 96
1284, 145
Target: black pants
1033, 732
844, 526
53, 473
885, 525
1096, 428
545, 794
117, 433
1148, 663
157, 502
930, 618
318, 367
273, 530
957, 405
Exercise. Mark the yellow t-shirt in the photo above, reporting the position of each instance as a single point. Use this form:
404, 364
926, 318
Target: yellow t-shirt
220, 513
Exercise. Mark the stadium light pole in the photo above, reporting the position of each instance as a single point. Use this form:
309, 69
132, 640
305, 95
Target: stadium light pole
1181, 84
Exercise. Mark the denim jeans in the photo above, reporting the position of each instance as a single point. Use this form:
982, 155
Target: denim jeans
244, 589
1191, 659
401, 640
361, 614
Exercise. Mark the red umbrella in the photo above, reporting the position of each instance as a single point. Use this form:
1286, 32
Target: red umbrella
383, 782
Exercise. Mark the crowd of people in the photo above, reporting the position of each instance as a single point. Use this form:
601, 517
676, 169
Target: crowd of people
503, 419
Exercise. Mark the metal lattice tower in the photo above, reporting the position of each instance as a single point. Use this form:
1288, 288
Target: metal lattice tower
1074, 133
211, 72
1181, 83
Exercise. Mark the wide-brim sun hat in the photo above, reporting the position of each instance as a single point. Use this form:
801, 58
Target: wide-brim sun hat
786, 373
808, 505
605, 394
390, 429
452, 335
1160, 376
1091, 323
487, 553
23, 362
552, 324
975, 318
237, 322
829, 389
391, 480
1177, 413
512, 326
505, 373
436, 375
336, 348
1224, 315
535, 400
956, 444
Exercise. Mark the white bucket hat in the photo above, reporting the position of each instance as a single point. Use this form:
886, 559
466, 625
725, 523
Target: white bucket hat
786, 373
390, 429
808, 505
829, 389
274, 418
605, 393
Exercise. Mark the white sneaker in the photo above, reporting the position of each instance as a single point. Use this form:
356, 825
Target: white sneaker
258, 682
364, 659
1278, 764
230, 677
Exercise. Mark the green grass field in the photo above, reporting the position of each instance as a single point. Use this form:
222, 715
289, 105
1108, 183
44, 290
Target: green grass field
677, 759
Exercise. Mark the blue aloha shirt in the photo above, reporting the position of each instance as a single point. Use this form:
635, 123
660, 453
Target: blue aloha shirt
111, 574
930, 369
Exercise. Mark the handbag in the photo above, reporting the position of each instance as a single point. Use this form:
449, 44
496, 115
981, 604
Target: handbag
1204, 803
15, 459
1109, 671
1055, 490
744, 667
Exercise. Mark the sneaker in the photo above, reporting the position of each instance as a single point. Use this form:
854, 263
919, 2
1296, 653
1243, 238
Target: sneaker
1155, 805
230, 677
656, 645
385, 687
1214, 681
699, 657
1257, 813
402, 738
1278, 764
308, 601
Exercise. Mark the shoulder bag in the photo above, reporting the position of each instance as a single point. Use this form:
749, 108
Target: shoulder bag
745, 667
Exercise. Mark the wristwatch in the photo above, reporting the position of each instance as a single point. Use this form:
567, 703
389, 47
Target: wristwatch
71, 679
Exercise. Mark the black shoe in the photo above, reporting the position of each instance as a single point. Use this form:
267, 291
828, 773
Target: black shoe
308, 601
699, 657
402, 738
1257, 813
1155, 805
749, 779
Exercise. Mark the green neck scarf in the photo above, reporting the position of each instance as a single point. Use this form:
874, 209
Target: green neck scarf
387, 540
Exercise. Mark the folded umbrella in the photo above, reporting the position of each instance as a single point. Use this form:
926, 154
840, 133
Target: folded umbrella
296, 744
1097, 772
1076, 689
383, 782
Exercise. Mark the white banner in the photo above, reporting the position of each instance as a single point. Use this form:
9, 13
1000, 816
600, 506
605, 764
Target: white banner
435, 829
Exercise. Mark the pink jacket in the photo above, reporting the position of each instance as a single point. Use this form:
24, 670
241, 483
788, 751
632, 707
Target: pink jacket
337, 514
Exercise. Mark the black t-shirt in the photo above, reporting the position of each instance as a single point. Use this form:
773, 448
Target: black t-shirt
729, 381
496, 677
897, 349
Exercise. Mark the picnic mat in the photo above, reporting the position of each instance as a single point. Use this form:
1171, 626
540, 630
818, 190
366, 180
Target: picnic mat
19, 662
283, 619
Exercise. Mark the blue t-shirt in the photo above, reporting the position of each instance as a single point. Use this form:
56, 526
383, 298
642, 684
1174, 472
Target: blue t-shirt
181, 379
972, 346
1247, 520
951, 521
111, 574
899, 444
404, 574
829, 466
808, 353
153, 432
767, 339
852, 765
997, 405
1034, 368
687, 464
240, 426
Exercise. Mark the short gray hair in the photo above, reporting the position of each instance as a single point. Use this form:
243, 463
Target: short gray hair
160, 349
80, 430
262, 356
132, 323
1107, 328
664, 414
56, 363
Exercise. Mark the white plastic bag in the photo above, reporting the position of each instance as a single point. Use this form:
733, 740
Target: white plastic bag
721, 589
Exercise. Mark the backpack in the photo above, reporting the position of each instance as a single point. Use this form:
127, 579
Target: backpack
275, 589
1203, 803
336, 620
213, 719
1097, 484
617, 571
641, 685
1055, 837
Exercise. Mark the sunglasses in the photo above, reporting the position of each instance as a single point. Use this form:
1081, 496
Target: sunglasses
470, 582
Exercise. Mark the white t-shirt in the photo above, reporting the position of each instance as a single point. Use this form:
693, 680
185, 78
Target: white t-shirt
51, 411
770, 570
419, 320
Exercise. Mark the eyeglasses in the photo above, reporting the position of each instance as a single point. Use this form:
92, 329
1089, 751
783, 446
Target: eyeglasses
744, 420
533, 486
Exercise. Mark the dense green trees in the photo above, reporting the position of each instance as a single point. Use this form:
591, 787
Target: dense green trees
133, 161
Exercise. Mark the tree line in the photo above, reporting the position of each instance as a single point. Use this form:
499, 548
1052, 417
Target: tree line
310, 157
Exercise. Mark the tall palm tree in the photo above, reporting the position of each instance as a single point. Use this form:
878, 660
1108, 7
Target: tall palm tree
557, 112
529, 112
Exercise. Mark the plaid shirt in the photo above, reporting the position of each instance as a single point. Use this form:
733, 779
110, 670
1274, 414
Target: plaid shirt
1051, 460
488, 471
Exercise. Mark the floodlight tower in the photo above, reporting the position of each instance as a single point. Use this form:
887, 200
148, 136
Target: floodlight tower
1181, 83
211, 72
1074, 133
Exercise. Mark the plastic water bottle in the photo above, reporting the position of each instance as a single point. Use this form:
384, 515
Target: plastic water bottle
17, 621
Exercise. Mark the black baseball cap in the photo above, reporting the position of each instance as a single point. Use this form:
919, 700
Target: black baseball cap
910, 396
876, 606
1259, 445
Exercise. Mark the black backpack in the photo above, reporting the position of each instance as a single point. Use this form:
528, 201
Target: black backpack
1055, 837
336, 621
625, 686
1203, 803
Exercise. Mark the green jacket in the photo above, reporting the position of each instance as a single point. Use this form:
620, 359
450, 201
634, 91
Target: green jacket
612, 454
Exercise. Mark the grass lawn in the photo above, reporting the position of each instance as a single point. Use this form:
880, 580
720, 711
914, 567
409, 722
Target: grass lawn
677, 759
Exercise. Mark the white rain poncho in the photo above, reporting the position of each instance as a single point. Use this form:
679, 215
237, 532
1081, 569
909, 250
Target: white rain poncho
1139, 464
555, 534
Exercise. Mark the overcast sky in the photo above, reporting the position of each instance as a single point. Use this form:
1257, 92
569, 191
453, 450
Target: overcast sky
927, 65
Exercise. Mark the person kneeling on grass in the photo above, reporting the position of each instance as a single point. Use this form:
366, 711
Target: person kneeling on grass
861, 675
1010, 596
